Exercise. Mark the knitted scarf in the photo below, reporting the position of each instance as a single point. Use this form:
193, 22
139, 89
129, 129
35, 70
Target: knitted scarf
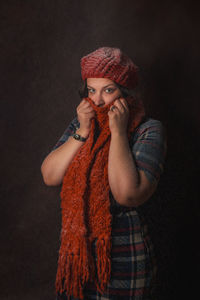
85, 207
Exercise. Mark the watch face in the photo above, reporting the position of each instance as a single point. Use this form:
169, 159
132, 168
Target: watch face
77, 136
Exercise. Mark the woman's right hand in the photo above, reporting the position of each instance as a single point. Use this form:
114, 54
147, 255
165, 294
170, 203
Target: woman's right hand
85, 114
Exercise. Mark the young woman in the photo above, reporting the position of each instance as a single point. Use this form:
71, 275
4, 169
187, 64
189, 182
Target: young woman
109, 161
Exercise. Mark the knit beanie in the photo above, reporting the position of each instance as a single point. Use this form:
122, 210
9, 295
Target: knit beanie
111, 63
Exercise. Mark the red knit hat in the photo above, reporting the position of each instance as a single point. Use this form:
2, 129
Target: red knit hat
110, 63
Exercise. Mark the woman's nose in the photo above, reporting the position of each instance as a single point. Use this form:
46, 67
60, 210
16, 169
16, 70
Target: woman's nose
98, 99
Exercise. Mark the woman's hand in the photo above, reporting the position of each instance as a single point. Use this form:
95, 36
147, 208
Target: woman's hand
85, 113
118, 116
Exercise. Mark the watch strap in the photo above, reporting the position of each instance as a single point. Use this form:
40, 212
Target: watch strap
78, 137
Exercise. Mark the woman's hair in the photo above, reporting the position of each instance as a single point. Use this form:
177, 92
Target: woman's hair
83, 91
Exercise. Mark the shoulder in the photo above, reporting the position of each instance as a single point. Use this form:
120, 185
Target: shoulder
149, 147
150, 129
149, 124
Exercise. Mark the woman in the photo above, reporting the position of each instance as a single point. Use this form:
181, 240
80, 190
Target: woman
109, 161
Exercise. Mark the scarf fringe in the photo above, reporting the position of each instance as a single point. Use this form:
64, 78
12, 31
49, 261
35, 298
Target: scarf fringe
74, 271
103, 249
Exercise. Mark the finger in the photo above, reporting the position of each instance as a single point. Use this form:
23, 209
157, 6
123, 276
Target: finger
86, 116
119, 105
85, 110
84, 103
111, 113
85, 106
124, 103
113, 108
92, 113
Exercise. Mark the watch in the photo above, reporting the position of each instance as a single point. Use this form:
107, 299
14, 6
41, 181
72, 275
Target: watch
78, 137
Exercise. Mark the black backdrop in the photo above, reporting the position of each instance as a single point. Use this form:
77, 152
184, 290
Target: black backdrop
41, 46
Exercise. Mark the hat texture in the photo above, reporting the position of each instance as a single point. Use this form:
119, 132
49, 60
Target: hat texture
111, 63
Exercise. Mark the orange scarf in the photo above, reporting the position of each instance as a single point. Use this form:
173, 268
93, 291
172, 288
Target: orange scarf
85, 207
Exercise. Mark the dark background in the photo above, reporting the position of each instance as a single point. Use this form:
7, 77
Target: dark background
41, 46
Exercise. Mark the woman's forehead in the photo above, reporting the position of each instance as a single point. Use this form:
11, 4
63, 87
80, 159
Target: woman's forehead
99, 82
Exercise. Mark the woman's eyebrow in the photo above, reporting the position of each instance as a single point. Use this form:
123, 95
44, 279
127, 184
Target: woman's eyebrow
103, 86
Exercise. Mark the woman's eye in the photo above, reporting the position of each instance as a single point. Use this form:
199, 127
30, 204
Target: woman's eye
91, 91
109, 90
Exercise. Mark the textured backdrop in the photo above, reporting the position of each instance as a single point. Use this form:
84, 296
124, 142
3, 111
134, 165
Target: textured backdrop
41, 46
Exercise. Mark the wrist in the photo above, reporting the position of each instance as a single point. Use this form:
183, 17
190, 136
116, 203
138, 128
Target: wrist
116, 134
83, 132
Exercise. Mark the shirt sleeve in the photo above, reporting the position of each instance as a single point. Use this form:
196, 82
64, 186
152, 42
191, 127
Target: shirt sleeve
149, 149
69, 131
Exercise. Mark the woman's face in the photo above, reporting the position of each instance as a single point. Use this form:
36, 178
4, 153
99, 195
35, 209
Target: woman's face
102, 91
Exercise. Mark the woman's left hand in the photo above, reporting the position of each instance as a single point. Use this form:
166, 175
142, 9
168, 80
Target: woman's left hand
118, 116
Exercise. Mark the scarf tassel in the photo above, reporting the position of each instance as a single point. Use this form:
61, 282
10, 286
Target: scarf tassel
103, 249
74, 271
